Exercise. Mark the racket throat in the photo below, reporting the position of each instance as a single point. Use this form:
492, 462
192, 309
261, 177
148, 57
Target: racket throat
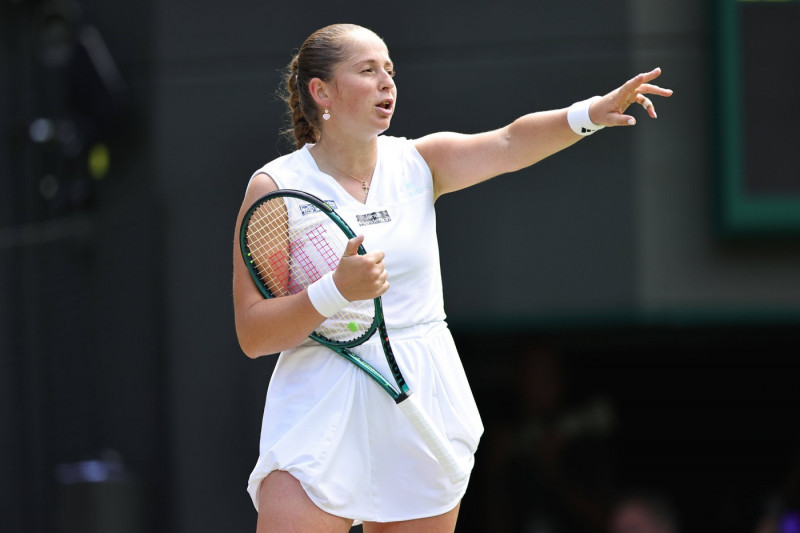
403, 396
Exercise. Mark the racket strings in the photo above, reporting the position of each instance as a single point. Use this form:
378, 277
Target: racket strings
291, 245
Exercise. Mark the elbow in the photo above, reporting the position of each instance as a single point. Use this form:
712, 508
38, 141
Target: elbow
511, 160
261, 335
249, 333
249, 348
256, 342
251, 354
252, 351
250, 343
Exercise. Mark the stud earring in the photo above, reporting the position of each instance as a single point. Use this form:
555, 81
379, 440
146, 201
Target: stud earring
326, 115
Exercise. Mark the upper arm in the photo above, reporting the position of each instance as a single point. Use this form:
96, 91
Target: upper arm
245, 292
458, 160
266, 325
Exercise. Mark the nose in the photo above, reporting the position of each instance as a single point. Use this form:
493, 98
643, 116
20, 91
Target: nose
387, 82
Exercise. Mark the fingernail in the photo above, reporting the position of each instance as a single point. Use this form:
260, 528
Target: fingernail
631, 121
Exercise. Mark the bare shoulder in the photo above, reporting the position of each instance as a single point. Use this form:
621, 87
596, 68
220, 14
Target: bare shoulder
434, 145
439, 149
261, 184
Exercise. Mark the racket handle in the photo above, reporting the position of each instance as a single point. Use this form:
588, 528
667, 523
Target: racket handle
438, 444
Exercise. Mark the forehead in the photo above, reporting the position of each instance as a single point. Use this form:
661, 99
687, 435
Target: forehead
363, 45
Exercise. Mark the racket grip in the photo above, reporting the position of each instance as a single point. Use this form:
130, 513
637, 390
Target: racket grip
439, 445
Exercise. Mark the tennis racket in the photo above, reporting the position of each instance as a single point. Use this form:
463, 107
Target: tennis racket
290, 239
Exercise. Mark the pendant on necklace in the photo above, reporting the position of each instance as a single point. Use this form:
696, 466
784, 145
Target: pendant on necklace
365, 186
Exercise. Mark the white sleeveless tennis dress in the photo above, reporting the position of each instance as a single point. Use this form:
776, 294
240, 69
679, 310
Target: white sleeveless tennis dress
325, 421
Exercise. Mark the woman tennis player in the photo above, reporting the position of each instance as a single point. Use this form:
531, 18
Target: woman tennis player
334, 448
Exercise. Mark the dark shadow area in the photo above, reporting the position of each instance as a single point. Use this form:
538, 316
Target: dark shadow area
578, 420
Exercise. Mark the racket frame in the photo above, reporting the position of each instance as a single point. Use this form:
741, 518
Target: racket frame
398, 393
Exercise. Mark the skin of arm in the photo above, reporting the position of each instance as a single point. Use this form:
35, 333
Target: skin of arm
266, 326
458, 161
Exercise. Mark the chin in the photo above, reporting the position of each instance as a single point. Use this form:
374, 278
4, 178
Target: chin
384, 124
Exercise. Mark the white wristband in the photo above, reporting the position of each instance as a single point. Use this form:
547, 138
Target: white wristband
578, 117
325, 296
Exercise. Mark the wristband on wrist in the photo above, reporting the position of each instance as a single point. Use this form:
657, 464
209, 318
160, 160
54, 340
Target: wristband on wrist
578, 117
325, 296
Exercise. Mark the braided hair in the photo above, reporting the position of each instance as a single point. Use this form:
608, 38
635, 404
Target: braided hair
322, 51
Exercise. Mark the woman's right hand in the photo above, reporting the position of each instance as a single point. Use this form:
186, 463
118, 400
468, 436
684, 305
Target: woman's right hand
361, 277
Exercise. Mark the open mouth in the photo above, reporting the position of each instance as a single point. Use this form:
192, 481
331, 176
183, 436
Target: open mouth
386, 104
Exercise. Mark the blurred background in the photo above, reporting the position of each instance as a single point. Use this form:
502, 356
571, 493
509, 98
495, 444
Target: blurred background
631, 342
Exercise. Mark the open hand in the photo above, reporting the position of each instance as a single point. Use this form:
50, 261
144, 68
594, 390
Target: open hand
610, 109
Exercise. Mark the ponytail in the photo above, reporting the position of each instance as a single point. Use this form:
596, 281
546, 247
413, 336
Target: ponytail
301, 130
318, 58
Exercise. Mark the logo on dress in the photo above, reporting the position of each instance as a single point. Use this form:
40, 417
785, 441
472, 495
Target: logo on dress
378, 217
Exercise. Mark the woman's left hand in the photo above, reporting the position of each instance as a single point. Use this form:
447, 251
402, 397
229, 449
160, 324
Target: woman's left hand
610, 109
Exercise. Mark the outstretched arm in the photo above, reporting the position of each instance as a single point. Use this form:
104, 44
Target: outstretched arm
458, 161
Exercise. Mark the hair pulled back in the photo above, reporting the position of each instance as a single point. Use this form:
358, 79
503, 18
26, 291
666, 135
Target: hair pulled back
322, 51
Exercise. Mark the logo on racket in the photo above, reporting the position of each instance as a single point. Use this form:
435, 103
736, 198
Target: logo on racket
307, 209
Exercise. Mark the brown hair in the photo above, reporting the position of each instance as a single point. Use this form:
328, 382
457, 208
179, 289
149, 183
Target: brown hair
322, 51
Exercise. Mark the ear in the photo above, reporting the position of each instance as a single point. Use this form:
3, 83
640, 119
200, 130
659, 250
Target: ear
319, 92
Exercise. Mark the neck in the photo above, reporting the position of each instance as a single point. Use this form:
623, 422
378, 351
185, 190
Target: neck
353, 158
348, 167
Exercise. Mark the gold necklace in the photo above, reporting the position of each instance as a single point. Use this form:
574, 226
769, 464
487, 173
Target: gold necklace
364, 184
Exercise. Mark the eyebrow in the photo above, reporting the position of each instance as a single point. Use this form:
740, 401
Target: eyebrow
373, 62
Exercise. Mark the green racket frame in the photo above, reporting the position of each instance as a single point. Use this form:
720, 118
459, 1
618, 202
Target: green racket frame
340, 347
